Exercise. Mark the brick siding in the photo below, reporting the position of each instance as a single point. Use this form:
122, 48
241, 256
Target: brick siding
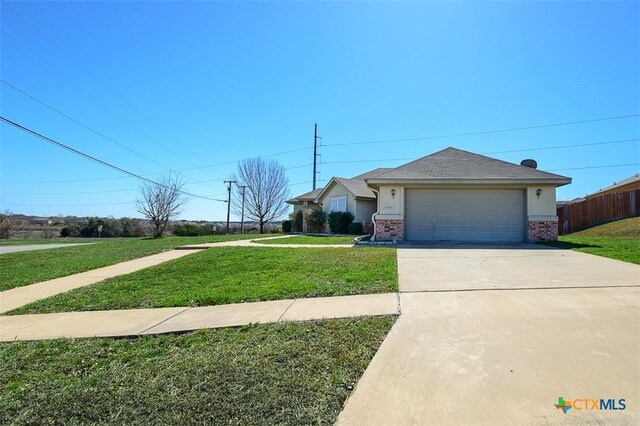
543, 231
389, 229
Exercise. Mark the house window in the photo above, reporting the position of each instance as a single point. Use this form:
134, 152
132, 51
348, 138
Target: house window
338, 204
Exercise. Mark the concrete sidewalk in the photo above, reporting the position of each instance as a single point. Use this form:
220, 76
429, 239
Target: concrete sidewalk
20, 296
165, 320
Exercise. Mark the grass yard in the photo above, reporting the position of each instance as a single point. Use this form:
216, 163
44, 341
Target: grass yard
19, 269
287, 374
617, 240
310, 239
236, 274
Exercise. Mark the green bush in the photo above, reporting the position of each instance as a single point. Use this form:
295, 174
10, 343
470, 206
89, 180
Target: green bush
110, 228
286, 226
70, 231
186, 230
315, 220
339, 222
355, 228
296, 221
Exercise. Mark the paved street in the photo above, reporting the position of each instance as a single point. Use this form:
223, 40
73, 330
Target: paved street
31, 247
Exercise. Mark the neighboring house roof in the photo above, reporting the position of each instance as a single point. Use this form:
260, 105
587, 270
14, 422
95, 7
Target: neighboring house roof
452, 165
618, 185
309, 196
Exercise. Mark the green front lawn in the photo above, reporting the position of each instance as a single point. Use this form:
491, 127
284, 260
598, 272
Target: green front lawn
618, 240
29, 267
309, 239
620, 249
236, 274
288, 374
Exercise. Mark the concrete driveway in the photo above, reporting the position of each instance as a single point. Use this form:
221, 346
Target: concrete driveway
505, 352
445, 267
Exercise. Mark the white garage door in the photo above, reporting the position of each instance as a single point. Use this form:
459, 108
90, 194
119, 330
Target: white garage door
465, 215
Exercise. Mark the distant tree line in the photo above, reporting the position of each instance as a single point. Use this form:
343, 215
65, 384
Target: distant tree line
111, 228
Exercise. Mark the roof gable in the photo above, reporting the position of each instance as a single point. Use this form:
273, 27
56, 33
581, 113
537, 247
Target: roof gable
455, 164
357, 187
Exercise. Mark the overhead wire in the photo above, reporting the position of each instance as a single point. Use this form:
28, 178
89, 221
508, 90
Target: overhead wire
494, 152
94, 159
89, 96
486, 132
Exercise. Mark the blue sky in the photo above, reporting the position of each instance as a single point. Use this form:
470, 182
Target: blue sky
191, 85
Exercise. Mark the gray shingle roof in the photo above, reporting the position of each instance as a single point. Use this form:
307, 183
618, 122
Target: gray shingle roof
373, 173
455, 164
308, 196
358, 187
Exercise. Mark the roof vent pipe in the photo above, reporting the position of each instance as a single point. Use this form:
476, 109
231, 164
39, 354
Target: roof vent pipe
529, 163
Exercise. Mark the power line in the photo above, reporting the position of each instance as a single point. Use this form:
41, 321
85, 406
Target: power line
494, 152
93, 130
88, 71
67, 205
235, 161
596, 167
92, 158
486, 132
84, 125
564, 146
70, 193
92, 98
124, 177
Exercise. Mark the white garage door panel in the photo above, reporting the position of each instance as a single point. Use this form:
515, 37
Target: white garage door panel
464, 215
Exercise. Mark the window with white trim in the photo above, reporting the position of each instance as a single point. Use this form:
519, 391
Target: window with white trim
338, 203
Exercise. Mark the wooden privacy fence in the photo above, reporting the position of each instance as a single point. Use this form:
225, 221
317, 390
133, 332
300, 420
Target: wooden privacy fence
573, 217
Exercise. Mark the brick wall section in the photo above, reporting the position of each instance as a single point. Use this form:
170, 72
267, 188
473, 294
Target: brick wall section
543, 231
388, 229
305, 207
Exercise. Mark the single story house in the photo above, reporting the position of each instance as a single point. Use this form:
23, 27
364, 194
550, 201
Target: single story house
351, 195
451, 195
456, 195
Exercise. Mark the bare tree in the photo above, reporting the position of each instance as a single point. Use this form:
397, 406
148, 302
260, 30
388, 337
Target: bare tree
267, 189
161, 201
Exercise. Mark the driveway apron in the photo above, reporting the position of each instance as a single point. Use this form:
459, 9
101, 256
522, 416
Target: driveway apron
495, 335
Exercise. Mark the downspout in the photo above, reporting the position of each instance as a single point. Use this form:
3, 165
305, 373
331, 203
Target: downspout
373, 216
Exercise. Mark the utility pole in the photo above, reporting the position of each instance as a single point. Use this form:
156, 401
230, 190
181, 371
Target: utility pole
315, 153
230, 182
242, 215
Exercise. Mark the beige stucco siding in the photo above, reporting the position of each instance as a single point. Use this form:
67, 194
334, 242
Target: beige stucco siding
364, 210
391, 206
543, 207
337, 190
